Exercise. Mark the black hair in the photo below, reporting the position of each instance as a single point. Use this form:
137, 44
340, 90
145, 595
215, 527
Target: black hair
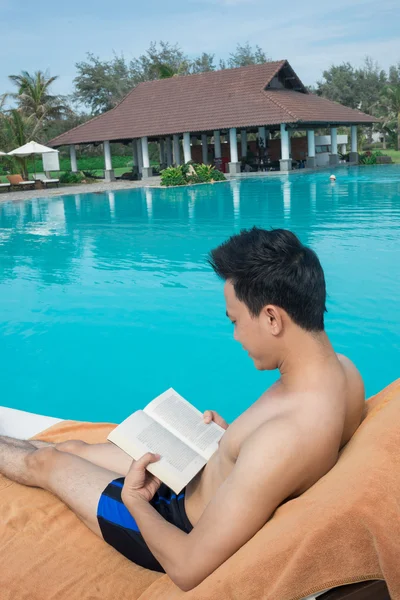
274, 267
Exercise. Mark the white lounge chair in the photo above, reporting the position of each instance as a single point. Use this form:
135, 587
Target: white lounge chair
4, 186
45, 180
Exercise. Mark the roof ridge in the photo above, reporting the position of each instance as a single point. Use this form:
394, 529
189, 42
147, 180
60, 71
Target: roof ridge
280, 63
282, 106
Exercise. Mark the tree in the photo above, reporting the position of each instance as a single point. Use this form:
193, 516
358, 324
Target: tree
370, 82
340, 85
17, 130
243, 56
33, 96
159, 63
390, 103
101, 84
203, 63
394, 74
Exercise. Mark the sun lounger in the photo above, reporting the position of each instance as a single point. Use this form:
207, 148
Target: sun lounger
45, 180
17, 182
340, 537
5, 186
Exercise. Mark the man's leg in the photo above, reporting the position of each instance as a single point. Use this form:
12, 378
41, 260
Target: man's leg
77, 482
105, 455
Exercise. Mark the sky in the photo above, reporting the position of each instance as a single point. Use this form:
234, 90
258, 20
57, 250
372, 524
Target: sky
311, 34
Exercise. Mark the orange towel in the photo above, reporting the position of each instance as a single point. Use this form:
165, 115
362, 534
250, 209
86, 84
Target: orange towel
344, 529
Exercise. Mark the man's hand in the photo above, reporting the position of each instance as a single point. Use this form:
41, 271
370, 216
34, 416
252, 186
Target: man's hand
139, 482
212, 415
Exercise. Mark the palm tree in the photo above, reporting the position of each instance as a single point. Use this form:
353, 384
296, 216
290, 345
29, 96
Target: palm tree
33, 96
391, 108
17, 131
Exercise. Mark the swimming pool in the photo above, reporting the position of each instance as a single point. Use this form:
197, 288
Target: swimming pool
106, 299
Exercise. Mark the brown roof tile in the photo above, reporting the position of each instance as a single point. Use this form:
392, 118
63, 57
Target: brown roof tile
208, 101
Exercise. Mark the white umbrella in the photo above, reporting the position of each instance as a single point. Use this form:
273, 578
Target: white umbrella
3, 153
30, 149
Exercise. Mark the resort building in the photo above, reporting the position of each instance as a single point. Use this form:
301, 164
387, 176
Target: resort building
202, 117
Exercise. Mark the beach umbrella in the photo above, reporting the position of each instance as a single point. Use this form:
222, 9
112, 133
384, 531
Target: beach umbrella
31, 149
3, 153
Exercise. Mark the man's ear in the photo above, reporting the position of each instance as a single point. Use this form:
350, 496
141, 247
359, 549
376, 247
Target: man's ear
274, 319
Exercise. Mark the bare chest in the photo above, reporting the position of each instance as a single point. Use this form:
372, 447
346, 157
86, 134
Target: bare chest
243, 427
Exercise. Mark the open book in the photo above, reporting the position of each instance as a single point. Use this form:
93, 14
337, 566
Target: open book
172, 427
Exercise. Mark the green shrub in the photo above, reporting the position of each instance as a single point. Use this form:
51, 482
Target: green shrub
184, 175
69, 177
369, 158
173, 176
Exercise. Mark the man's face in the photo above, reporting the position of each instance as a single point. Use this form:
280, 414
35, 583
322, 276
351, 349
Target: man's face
253, 333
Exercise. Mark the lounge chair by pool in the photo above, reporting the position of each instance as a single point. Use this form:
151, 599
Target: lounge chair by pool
339, 540
18, 182
45, 180
5, 186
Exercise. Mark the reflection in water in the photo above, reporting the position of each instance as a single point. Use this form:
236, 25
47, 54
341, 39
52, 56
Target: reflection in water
111, 200
313, 197
149, 202
235, 186
191, 205
109, 295
286, 199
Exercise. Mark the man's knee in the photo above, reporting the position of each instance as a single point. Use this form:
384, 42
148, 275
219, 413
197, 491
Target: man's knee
72, 446
40, 462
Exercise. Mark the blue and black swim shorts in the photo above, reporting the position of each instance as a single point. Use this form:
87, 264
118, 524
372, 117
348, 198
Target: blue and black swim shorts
120, 530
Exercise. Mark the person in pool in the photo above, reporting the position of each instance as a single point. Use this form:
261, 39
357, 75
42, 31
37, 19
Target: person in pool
274, 451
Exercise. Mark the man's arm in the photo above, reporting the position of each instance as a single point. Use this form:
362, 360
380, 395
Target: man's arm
271, 465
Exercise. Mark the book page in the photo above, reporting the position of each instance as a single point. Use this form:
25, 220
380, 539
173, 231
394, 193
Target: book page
186, 422
139, 434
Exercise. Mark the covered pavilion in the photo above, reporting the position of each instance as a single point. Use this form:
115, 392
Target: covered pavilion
173, 112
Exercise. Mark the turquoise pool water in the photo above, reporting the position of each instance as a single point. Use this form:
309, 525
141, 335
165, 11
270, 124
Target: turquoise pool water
106, 299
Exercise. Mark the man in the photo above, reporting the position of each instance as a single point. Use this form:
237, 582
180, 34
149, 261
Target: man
274, 451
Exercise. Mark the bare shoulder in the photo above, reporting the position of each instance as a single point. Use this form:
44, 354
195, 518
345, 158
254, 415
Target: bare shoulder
352, 374
296, 452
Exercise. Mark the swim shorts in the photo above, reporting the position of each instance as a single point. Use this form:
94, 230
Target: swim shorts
120, 530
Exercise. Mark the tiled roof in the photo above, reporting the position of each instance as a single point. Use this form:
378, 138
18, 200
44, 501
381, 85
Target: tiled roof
309, 108
208, 101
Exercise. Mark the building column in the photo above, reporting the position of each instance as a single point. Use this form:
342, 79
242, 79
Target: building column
334, 157
162, 152
135, 156
243, 143
262, 135
140, 155
147, 170
217, 144
234, 165
187, 154
204, 148
310, 163
108, 171
177, 150
168, 143
72, 155
285, 161
354, 145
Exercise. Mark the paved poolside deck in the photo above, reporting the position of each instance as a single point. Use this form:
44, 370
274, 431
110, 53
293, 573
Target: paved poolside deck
82, 188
